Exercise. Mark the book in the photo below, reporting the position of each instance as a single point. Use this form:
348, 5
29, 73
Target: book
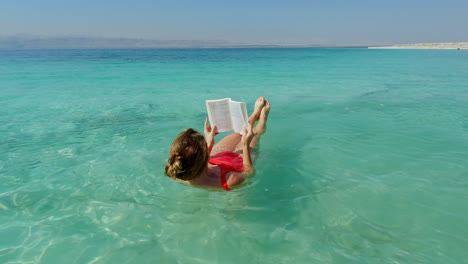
227, 115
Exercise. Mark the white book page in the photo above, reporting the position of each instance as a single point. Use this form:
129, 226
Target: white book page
219, 114
238, 116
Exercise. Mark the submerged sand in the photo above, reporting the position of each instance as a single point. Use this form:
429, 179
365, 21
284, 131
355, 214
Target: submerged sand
448, 45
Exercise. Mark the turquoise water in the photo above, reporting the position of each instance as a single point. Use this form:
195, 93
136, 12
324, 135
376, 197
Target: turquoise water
365, 159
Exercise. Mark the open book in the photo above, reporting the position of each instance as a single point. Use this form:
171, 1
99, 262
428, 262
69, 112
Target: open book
227, 115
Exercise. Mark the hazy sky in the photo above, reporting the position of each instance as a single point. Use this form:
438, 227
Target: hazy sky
338, 22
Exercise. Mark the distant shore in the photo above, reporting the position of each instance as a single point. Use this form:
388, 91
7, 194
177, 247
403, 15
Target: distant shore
447, 45
46, 42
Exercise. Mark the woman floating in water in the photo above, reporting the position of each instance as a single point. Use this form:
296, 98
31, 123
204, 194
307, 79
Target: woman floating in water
230, 161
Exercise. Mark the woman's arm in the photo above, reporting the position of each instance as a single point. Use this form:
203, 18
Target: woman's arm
234, 179
209, 134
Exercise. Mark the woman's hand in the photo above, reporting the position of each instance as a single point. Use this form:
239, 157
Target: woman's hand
248, 135
210, 133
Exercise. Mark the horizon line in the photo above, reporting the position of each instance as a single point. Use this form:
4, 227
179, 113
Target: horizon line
22, 42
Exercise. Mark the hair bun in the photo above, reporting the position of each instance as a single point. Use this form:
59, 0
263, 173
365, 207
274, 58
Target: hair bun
175, 167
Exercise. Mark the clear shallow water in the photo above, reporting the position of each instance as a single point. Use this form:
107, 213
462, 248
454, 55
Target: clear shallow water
364, 160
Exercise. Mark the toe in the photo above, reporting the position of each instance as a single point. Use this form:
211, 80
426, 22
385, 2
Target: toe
261, 100
259, 103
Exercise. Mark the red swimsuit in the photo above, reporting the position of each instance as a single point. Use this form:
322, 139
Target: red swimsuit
227, 161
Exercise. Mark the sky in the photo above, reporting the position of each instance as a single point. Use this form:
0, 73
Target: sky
332, 22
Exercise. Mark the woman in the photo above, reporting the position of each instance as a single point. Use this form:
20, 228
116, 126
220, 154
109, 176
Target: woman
230, 161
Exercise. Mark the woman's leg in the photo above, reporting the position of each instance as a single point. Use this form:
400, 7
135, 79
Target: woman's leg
230, 142
260, 128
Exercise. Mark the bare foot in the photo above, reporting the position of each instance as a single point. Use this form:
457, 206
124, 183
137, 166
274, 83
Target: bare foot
260, 128
257, 110
265, 110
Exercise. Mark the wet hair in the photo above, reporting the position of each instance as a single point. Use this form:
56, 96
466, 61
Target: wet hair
188, 155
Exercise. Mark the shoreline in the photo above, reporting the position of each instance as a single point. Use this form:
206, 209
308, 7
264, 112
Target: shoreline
447, 45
